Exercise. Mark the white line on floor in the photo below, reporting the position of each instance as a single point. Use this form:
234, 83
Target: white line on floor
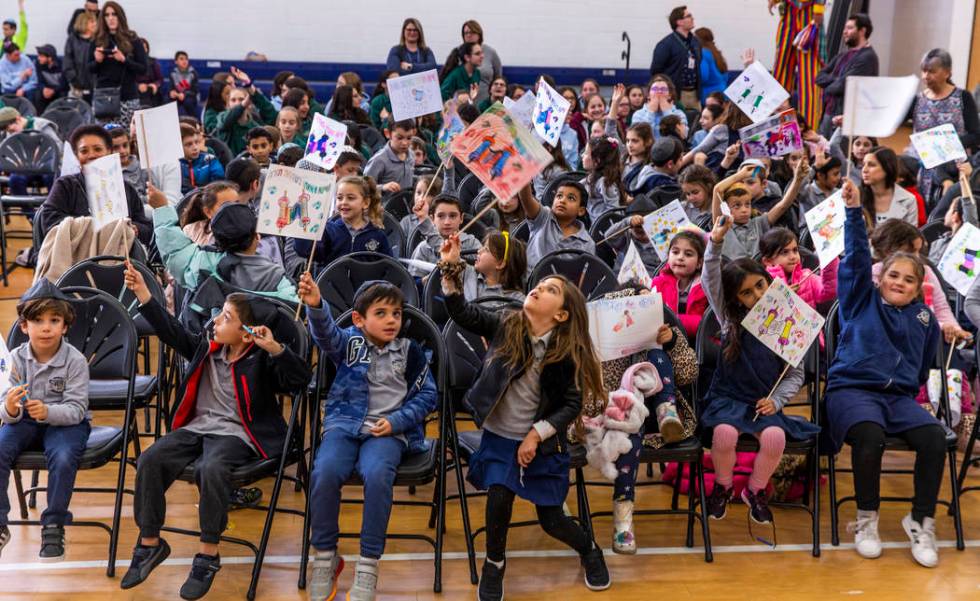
457, 555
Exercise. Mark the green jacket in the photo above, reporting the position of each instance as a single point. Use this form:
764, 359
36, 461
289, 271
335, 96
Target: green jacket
459, 80
307, 124
210, 121
186, 260
232, 133
379, 103
20, 38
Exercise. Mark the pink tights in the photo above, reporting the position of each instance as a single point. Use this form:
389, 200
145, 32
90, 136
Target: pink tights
772, 441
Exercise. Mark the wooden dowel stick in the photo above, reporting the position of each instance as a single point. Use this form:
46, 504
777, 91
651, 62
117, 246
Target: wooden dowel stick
309, 264
773, 391
492, 204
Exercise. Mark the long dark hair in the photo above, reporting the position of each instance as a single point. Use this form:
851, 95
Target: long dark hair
216, 99
512, 252
775, 240
734, 311
343, 108
707, 39
124, 37
606, 164
888, 160
456, 59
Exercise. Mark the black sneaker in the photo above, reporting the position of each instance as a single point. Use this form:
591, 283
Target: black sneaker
199, 581
144, 560
52, 543
758, 506
718, 502
491, 586
596, 573
243, 498
4, 537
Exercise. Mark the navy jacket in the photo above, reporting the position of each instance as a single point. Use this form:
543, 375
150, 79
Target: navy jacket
337, 242
561, 401
670, 58
881, 347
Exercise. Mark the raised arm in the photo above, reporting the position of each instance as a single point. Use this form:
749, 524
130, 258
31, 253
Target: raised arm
854, 287
721, 187
529, 203
711, 272
802, 168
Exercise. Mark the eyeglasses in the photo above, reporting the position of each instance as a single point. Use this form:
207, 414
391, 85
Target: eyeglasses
411, 29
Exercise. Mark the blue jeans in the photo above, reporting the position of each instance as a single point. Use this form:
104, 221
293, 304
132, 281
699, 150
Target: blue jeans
63, 447
376, 461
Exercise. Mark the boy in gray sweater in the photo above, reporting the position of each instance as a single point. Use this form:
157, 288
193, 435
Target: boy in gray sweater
45, 405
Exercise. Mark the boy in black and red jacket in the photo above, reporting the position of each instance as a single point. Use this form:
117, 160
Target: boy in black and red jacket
227, 417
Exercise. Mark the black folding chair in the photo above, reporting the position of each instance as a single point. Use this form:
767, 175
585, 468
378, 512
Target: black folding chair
933, 230
598, 232
107, 273
894, 443
548, 196
521, 231
968, 459
688, 452
24, 106
587, 271
221, 150
292, 334
339, 281
467, 189
708, 348
395, 235
416, 469
373, 138
29, 153
399, 205
104, 333
67, 119
77, 104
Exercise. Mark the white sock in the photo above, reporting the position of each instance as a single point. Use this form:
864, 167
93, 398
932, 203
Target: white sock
499, 564
367, 561
325, 554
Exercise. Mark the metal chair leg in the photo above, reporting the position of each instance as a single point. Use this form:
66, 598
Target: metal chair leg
705, 528
32, 496
832, 488
954, 501
20, 495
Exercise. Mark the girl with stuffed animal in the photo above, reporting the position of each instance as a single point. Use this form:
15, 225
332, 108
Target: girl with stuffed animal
646, 389
743, 383
539, 366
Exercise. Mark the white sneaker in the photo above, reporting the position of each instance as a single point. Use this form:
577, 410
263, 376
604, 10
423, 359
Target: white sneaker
923, 537
624, 542
866, 539
326, 571
365, 581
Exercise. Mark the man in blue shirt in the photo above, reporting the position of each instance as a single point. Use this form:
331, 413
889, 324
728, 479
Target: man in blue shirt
17, 74
678, 56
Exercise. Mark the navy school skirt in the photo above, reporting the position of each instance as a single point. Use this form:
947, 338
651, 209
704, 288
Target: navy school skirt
738, 414
543, 482
895, 413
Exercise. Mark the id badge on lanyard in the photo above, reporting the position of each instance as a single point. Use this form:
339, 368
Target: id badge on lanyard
690, 62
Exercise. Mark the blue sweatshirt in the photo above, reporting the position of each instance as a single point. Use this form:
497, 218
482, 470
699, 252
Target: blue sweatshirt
203, 170
881, 347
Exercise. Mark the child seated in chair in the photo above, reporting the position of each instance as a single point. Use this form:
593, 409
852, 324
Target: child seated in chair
375, 412
234, 257
443, 219
46, 407
559, 226
227, 417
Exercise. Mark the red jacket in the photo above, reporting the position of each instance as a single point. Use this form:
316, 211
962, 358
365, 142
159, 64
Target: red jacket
697, 302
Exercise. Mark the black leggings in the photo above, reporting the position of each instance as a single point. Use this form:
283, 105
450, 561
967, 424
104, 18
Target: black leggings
867, 440
500, 503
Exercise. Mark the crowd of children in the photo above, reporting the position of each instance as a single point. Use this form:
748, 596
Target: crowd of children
541, 376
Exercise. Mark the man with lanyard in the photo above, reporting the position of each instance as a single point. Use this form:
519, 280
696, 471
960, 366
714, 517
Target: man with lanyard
858, 59
678, 56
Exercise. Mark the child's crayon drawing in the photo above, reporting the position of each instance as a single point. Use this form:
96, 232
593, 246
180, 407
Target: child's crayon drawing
295, 203
784, 322
959, 265
826, 224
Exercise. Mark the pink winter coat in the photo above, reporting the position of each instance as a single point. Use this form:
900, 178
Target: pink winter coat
815, 289
697, 302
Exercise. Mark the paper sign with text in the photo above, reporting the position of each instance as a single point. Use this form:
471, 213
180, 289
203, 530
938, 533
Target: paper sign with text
296, 203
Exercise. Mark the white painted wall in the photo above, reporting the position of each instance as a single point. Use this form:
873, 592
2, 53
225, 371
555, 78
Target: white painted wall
570, 33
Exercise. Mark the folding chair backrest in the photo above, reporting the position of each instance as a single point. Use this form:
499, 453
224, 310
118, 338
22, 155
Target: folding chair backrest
31, 153
221, 150
396, 237
548, 196
465, 350
598, 232
467, 189
67, 119
707, 346
107, 274
933, 230
102, 331
372, 138
399, 205
76, 104
593, 277
339, 281
521, 231
24, 106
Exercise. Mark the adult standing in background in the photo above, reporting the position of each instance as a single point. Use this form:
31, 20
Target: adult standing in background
858, 59
411, 55
678, 56
77, 50
91, 7
798, 54
14, 32
713, 66
941, 102
117, 58
491, 68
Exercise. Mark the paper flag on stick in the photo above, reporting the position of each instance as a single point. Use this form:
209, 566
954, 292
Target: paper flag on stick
774, 137
783, 322
826, 224
633, 269
500, 152
6, 367
663, 224
105, 190
522, 110
295, 203
756, 92
875, 106
415, 95
452, 126
69, 162
938, 145
158, 136
326, 141
959, 265
622, 326
550, 109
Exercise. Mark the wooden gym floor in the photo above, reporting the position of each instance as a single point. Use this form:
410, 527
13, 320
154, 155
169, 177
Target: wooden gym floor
538, 567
